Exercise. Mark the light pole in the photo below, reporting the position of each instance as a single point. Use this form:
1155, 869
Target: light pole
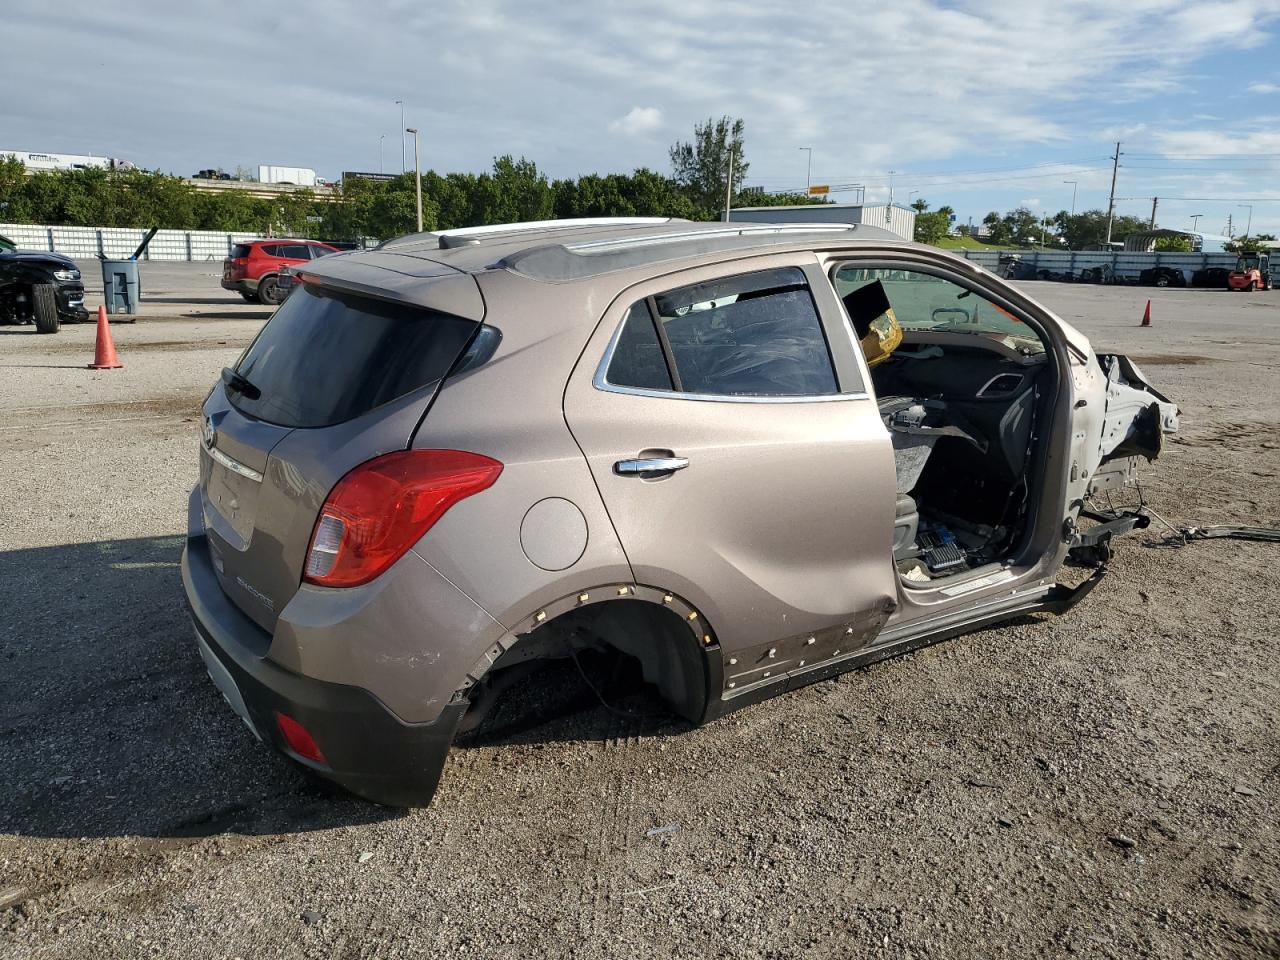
403, 168
728, 190
1195, 217
1074, 185
382, 138
910, 195
417, 172
808, 173
891, 173
1249, 222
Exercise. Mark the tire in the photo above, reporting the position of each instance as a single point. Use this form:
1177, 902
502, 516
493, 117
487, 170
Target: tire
249, 297
269, 291
45, 300
1162, 282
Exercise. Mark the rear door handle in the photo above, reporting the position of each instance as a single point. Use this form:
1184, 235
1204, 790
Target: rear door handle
650, 467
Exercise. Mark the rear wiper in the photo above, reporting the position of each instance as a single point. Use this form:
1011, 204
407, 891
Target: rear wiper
240, 384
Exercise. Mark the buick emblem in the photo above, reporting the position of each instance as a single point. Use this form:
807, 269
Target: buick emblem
208, 432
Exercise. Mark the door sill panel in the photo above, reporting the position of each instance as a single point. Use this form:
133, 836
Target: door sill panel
1054, 598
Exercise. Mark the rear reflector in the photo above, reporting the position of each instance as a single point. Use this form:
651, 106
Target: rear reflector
383, 507
298, 739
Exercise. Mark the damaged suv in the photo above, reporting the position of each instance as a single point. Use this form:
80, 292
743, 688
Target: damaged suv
747, 457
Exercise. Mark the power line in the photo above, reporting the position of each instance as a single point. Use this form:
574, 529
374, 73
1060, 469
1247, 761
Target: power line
1212, 199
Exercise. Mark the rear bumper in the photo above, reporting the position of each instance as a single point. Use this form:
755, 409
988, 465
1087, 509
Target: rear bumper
368, 749
244, 285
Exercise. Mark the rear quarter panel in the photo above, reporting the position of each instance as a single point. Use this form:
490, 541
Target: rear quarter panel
511, 409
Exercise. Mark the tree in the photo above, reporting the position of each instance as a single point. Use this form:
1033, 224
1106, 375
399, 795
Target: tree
931, 227
998, 231
1090, 227
1250, 244
1172, 245
701, 167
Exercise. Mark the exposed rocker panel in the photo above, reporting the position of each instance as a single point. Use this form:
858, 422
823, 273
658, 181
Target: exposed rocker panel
760, 666
1056, 599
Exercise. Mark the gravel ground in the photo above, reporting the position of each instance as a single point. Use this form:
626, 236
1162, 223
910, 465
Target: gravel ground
1105, 784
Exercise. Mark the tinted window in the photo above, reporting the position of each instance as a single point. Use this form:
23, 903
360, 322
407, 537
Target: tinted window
324, 357
754, 335
295, 251
239, 250
272, 249
637, 356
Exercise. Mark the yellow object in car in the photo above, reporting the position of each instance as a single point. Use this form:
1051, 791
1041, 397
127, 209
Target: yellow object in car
882, 339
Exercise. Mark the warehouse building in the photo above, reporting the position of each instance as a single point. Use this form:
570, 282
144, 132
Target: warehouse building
897, 219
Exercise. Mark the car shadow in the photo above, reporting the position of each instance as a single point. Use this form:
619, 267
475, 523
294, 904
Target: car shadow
109, 725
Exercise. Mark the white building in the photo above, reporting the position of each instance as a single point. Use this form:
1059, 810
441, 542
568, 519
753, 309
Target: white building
893, 217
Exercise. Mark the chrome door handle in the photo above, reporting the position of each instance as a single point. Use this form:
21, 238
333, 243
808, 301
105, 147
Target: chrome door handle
653, 465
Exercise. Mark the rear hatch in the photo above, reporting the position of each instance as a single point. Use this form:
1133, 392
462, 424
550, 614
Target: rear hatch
332, 380
233, 267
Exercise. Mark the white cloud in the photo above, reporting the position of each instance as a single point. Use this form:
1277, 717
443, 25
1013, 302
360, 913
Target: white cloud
1262, 87
1031, 203
639, 122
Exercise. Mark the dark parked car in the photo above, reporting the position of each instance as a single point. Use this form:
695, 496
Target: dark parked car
1162, 277
1211, 277
39, 288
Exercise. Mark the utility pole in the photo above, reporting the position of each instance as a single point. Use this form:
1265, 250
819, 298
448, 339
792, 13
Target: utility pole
1111, 201
382, 139
728, 190
1248, 223
1229, 233
808, 175
417, 172
403, 167
1155, 202
891, 173
1074, 185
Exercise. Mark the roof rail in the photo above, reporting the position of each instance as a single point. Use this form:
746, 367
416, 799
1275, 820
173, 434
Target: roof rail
740, 230
465, 236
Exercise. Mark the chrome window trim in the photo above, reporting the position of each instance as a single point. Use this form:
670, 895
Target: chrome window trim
601, 382
235, 466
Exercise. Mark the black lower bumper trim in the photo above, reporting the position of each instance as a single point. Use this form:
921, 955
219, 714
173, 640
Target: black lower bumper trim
369, 750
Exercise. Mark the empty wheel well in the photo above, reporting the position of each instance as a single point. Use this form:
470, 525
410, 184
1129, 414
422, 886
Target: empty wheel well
675, 656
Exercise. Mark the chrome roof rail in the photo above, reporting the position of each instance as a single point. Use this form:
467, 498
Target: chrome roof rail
739, 230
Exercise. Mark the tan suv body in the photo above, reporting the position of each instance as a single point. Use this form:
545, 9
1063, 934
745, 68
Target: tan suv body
748, 457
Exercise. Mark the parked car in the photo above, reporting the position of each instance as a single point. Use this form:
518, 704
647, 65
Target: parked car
1162, 277
252, 268
746, 457
39, 288
1211, 277
1099, 274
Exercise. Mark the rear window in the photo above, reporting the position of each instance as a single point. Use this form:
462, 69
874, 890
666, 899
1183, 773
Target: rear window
324, 357
239, 250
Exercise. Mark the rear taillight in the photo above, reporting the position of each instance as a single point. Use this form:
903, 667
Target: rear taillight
382, 507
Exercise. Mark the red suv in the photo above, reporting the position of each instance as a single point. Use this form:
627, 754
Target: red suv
252, 268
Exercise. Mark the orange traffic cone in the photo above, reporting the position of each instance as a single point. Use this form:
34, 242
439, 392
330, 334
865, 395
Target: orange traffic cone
104, 354
1146, 316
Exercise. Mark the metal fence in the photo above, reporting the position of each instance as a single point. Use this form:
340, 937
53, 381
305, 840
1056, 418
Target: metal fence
1123, 265
86, 243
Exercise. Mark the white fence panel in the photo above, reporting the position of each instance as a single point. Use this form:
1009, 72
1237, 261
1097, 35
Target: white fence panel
87, 243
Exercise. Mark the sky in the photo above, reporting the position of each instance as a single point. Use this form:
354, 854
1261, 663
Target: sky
977, 104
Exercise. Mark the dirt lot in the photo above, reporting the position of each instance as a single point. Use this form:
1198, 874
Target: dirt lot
1103, 784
